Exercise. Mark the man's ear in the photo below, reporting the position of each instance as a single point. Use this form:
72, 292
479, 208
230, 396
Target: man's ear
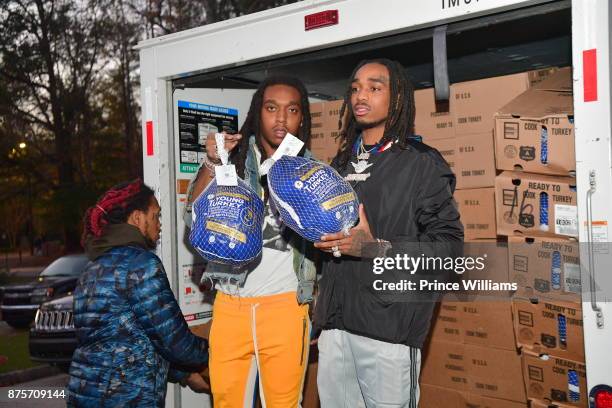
136, 218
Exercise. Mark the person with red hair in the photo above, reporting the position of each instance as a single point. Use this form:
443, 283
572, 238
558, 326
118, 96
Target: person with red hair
132, 337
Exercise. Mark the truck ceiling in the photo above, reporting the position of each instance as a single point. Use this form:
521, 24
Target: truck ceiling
516, 41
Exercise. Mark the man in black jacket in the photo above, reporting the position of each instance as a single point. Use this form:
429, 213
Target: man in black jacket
374, 321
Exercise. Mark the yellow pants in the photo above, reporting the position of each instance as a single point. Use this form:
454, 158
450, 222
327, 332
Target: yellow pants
267, 334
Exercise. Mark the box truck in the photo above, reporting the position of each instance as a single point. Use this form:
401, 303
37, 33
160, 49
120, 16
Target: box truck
202, 79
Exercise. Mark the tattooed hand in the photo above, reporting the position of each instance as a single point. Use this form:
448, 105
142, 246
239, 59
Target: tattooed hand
351, 244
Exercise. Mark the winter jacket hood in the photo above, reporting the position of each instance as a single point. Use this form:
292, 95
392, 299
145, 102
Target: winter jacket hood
114, 235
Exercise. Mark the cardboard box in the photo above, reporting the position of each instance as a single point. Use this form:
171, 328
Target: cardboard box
496, 259
471, 158
535, 131
477, 209
537, 76
519, 197
331, 114
549, 327
492, 266
437, 121
479, 317
324, 143
470, 123
482, 323
317, 133
449, 323
448, 150
489, 324
430, 123
475, 103
548, 267
475, 161
474, 369
547, 379
325, 148
438, 397
316, 112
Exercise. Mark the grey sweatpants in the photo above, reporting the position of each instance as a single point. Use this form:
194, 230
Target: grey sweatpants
356, 371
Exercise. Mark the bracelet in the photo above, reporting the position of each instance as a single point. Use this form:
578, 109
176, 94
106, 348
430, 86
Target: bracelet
209, 164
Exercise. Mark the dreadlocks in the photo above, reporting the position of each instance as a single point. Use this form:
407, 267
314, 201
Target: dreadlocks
399, 125
115, 206
252, 123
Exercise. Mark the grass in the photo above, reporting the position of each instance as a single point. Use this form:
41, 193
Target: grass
14, 346
14, 342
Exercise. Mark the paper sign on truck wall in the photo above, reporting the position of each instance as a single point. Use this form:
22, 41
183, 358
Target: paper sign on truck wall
196, 121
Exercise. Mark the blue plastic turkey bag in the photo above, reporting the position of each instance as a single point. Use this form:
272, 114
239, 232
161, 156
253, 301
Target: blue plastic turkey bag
227, 224
311, 197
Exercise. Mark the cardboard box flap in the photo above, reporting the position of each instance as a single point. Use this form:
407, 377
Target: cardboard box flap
537, 104
536, 236
518, 175
560, 81
553, 96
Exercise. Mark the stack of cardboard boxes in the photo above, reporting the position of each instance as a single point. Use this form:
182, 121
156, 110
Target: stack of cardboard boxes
464, 136
510, 142
472, 349
536, 210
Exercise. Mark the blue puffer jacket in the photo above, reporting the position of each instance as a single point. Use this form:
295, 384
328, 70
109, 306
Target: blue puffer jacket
132, 335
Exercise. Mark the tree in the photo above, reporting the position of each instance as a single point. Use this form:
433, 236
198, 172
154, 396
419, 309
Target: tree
49, 62
68, 91
13, 216
161, 17
123, 106
217, 10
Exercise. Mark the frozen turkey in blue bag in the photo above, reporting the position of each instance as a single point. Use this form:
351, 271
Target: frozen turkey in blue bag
311, 197
227, 224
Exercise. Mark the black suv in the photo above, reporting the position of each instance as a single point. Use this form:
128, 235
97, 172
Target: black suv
20, 302
52, 336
